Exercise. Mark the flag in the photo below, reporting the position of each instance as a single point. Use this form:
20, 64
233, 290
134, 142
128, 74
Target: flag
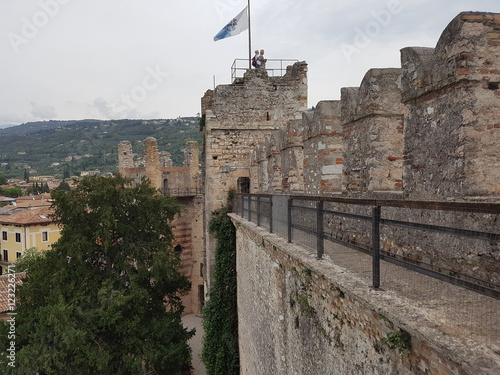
235, 26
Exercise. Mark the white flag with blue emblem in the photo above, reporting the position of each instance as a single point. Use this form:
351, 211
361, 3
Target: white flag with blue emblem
235, 26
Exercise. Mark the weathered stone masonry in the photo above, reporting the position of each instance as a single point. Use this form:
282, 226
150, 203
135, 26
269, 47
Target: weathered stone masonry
301, 315
237, 119
426, 131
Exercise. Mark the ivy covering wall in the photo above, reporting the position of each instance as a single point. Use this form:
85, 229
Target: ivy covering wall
220, 315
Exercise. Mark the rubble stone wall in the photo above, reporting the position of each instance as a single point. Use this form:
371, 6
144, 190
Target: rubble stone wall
300, 315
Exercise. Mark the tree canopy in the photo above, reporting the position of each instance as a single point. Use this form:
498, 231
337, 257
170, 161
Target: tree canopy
105, 299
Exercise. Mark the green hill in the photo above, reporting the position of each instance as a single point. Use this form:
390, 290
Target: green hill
69, 147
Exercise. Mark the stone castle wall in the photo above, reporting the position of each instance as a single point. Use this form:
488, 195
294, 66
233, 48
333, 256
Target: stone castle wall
238, 118
183, 183
300, 315
426, 131
429, 130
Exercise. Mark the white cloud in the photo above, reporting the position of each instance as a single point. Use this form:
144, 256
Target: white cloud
43, 112
88, 54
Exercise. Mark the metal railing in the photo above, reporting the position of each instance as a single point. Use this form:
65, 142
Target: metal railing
182, 192
274, 67
308, 221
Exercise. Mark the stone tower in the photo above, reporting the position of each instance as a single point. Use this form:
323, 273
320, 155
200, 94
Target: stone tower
237, 118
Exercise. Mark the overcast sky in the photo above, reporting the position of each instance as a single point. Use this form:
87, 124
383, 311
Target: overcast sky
111, 59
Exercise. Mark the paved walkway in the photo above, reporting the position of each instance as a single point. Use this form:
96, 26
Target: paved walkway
194, 321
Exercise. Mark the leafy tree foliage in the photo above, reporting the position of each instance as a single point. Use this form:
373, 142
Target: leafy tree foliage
3, 179
105, 299
63, 185
220, 315
12, 192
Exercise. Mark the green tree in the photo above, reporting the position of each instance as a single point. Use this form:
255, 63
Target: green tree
26, 175
106, 298
66, 172
220, 314
3, 179
63, 185
12, 192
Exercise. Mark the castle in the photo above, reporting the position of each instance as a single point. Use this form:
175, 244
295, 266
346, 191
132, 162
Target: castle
428, 131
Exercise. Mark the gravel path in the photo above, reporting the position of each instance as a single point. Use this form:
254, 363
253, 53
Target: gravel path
194, 321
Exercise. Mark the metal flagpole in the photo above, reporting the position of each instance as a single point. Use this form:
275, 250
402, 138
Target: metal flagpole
249, 39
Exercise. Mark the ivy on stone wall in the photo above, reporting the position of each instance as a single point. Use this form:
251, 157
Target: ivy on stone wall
220, 319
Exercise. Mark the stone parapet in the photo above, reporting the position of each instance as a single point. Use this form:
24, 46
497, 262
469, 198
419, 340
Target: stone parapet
451, 96
373, 134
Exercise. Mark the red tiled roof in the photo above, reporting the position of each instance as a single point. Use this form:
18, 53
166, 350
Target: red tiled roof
35, 215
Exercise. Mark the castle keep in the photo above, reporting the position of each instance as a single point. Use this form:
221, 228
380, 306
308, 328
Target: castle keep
427, 131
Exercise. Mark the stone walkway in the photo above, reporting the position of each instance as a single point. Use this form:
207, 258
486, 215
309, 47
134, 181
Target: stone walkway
194, 321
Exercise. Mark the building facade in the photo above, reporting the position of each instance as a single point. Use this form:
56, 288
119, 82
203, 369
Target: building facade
24, 228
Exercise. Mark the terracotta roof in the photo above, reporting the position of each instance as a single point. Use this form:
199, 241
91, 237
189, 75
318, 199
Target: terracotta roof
33, 203
35, 197
5, 281
35, 215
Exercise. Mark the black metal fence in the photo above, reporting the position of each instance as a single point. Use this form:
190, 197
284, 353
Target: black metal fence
182, 192
357, 223
274, 67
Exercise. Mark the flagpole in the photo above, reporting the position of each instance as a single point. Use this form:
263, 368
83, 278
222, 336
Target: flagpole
249, 40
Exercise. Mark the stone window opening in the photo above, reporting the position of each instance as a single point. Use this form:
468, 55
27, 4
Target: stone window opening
165, 187
493, 85
244, 185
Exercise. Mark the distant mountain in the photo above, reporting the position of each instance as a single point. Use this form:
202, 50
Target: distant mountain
6, 126
69, 147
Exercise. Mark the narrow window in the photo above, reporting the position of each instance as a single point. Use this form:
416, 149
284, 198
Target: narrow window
18, 254
45, 236
5, 255
4, 235
18, 237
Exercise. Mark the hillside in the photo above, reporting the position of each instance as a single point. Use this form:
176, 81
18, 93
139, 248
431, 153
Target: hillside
65, 148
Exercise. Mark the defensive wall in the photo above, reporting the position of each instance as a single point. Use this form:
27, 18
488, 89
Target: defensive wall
427, 131
184, 184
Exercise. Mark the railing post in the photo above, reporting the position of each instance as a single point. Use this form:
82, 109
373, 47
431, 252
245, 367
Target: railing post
258, 210
271, 214
320, 243
376, 246
249, 208
289, 219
